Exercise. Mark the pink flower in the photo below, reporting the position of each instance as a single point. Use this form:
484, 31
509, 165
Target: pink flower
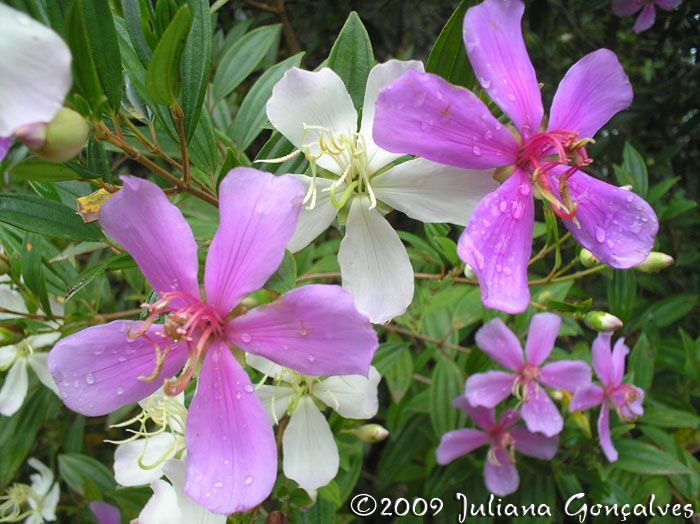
646, 18
315, 330
625, 398
421, 114
499, 468
538, 410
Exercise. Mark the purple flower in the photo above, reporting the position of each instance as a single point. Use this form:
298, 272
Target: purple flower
499, 468
646, 18
421, 114
105, 513
315, 330
538, 410
625, 398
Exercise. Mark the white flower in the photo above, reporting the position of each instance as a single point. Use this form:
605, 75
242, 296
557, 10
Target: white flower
310, 453
314, 111
42, 497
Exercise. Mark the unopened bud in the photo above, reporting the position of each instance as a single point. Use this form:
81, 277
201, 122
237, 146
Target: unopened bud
602, 321
587, 258
4, 265
656, 261
10, 334
370, 433
59, 140
469, 272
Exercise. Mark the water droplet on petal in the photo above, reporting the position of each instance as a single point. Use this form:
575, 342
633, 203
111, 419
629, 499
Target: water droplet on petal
476, 150
488, 135
90, 378
245, 337
502, 206
485, 82
238, 394
419, 99
599, 234
285, 347
249, 388
630, 198
120, 390
218, 485
121, 358
511, 97
249, 480
311, 358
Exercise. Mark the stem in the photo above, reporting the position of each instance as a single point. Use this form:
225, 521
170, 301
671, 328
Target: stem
179, 117
31, 316
418, 336
572, 276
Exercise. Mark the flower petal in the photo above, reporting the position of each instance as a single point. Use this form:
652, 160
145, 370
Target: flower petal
353, 396
155, 234
502, 478
454, 444
586, 397
626, 7
374, 264
602, 359
231, 453
311, 98
258, 215
105, 513
489, 389
617, 226
544, 329
310, 452
38, 363
5, 143
539, 412
421, 114
496, 50
485, 418
42, 480
668, 5
313, 222
432, 192
620, 351
154, 450
604, 434
162, 507
593, 90
14, 389
380, 77
35, 71
645, 19
496, 340
275, 400
192, 513
97, 370
497, 243
314, 330
534, 445
266, 367
566, 374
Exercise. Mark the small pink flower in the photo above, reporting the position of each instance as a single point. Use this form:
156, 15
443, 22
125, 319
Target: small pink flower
646, 18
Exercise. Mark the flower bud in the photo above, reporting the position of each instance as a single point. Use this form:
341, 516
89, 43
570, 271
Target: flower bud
370, 433
59, 140
469, 272
587, 258
10, 334
602, 321
656, 261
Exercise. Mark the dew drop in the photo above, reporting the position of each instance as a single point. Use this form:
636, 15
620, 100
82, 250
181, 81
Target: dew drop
498, 126
511, 97
227, 462
218, 485
245, 337
173, 283
599, 234
120, 390
488, 135
476, 150
311, 358
485, 82
249, 480
502, 206
121, 358
470, 46
249, 388
98, 351
630, 198
76, 384
285, 347
90, 378
424, 125
419, 99
238, 394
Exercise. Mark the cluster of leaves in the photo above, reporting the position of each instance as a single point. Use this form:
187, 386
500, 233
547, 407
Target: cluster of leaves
171, 86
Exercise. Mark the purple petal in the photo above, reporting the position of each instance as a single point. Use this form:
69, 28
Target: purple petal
508, 418
594, 89
539, 412
485, 418
314, 330
97, 370
534, 445
617, 226
602, 359
626, 7
629, 409
497, 243
604, 433
620, 351
258, 215
544, 329
459, 442
668, 5
105, 513
496, 50
489, 389
231, 453
586, 397
644, 21
155, 234
5, 143
566, 374
497, 341
421, 114
501, 479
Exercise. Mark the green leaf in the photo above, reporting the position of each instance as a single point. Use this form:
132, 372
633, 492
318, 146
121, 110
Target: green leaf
641, 362
635, 170
78, 469
622, 293
667, 311
448, 58
387, 354
33, 270
284, 279
352, 58
98, 161
242, 59
448, 383
670, 418
331, 492
137, 14
121, 261
162, 79
196, 65
640, 457
277, 147
660, 189
251, 115
46, 217
399, 375
40, 170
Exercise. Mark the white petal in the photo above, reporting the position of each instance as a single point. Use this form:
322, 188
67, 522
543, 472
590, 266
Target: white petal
41, 481
127, 471
48, 505
374, 264
44, 340
162, 507
160, 393
380, 77
35, 72
14, 389
353, 396
316, 98
37, 362
192, 513
432, 192
275, 399
310, 453
265, 366
313, 222
7, 355
9, 298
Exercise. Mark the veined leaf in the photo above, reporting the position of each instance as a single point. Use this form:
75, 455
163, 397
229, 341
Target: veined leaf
196, 65
162, 75
352, 58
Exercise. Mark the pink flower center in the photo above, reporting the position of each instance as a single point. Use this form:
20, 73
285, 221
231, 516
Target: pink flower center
501, 440
544, 151
528, 374
622, 397
195, 323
